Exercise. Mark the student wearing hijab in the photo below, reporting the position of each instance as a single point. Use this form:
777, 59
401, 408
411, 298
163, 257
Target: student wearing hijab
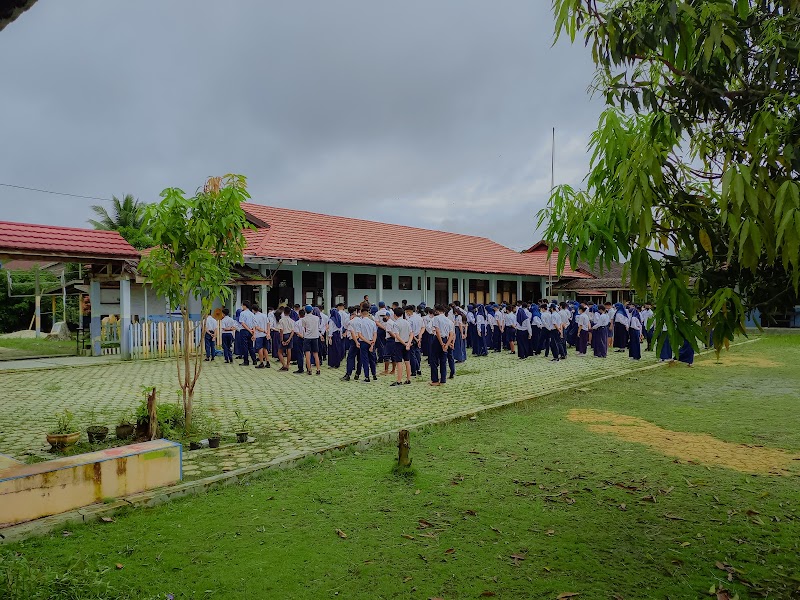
334, 337
460, 347
600, 333
635, 336
471, 327
686, 353
536, 330
621, 322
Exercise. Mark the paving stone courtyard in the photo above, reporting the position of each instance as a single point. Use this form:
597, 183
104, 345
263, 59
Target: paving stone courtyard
288, 413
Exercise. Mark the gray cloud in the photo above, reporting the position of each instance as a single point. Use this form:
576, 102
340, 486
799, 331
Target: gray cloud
436, 114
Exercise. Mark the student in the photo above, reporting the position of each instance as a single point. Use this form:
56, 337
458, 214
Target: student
334, 338
523, 328
228, 326
510, 318
535, 348
646, 316
600, 333
635, 336
584, 325
572, 328
365, 341
427, 330
273, 316
210, 337
381, 317
498, 336
286, 331
311, 324
403, 337
262, 333
666, 348
479, 349
297, 343
323, 332
471, 327
460, 326
556, 333
547, 330
442, 337
237, 338
417, 328
353, 351
566, 323
387, 321
620, 321
247, 321
686, 353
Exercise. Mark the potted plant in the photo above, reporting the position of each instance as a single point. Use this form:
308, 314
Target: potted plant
65, 434
124, 429
214, 436
242, 433
96, 433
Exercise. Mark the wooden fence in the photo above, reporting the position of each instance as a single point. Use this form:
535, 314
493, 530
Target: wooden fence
163, 339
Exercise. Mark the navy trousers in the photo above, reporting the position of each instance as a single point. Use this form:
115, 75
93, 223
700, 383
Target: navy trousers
416, 358
369, 360
634, 345
211, 345
352, 359
227, 340
438, 361
246, 346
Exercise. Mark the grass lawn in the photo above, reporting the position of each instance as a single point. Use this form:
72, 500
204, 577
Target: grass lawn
23, 347
536, 501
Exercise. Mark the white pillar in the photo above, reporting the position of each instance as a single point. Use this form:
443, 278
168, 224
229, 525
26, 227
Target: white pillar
519, 289
238, 297
492, 288
37, 317
94, 323
327, 292
449, 289
378, 286
461, 296
262, 301
144, 289
125, 318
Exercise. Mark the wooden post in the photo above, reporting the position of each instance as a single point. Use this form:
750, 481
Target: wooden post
403, 446
152, 415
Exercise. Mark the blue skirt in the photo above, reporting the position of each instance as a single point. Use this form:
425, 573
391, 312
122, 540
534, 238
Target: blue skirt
335, 350
686, 353
634, 344
460, 348
666, 349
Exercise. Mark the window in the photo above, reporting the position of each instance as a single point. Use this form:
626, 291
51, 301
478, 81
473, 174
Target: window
429, 283
404, 282
365, 282
387, 282
419, 283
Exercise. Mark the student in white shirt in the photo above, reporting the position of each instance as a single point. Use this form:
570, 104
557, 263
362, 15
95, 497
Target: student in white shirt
403, 337
441, 343
600, 333
211, 336
261, 326
635, 336
247, 321
648, 325
286, 330
387, 322
417, 328
367, 337
353, 351
310, 324
228, 326
584, 325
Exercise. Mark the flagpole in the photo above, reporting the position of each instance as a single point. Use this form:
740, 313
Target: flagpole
552, 185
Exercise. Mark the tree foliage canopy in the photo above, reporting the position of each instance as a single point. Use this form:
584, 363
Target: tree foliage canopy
695, 161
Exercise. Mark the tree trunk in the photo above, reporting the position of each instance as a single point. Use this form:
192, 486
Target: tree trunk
403, 446
186, 383
152, 415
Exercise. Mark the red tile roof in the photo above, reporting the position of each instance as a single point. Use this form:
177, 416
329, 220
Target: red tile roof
538, 252
314, 237
63, 242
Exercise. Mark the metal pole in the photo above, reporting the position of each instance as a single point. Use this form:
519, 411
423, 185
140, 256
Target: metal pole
38, 310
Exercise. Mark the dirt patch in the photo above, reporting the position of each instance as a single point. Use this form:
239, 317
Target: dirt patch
737, 360
694, 447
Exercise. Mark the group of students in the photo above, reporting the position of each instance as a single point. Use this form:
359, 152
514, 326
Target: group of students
402, 334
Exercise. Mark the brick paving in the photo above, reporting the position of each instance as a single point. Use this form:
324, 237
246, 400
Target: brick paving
288, 413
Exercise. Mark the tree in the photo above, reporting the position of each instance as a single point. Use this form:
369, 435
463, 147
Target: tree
695, 163
127, 217
198, 240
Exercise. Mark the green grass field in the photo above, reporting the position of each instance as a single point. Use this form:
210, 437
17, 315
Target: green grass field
521, 503
11, 348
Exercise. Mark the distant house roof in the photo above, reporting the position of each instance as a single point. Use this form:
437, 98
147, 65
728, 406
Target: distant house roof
42, 242
593, 279
11, 9
314, 237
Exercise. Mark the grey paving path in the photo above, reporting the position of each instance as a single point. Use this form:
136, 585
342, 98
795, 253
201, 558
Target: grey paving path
287, 412
56, 362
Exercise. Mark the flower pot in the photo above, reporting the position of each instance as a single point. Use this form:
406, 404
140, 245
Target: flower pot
96, 433
195, 445
124, 431
213, 442
241, 436
60, 441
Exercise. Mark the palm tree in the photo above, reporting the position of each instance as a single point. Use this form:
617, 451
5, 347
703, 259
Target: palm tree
126, 217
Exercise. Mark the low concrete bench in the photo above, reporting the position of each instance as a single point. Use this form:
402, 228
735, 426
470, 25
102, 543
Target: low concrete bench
31, 491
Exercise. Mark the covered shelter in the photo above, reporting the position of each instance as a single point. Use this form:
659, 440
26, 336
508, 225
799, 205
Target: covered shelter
103, 255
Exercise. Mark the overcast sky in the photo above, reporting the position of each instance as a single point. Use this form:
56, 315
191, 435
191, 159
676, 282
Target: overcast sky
434, 114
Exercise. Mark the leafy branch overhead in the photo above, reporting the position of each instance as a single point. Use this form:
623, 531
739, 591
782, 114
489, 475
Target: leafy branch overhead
695, 162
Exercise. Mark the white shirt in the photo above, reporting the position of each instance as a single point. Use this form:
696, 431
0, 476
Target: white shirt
416, 324
246, 318
211, 324
510, 319
583, 321
635, 324
354, 327
444, 325
228, 324
601, 321
620, 318
566, 316
310, 327
547, 320
390, 327
557, 322
646, 315
427, 322
345, 317
260, 323
402, 330
470, 317
368, 330
323, 323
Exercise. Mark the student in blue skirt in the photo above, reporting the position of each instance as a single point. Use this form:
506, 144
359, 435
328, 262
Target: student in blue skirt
600, 333
635, 336
334, 336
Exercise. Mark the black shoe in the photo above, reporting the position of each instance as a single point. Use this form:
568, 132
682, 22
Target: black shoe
298, 372
267, 365
366, 380
452, 375
395, 384
206, 359
244, 365
261, 366
319, 372
407, 382
345, 378
356, 377
553, 360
